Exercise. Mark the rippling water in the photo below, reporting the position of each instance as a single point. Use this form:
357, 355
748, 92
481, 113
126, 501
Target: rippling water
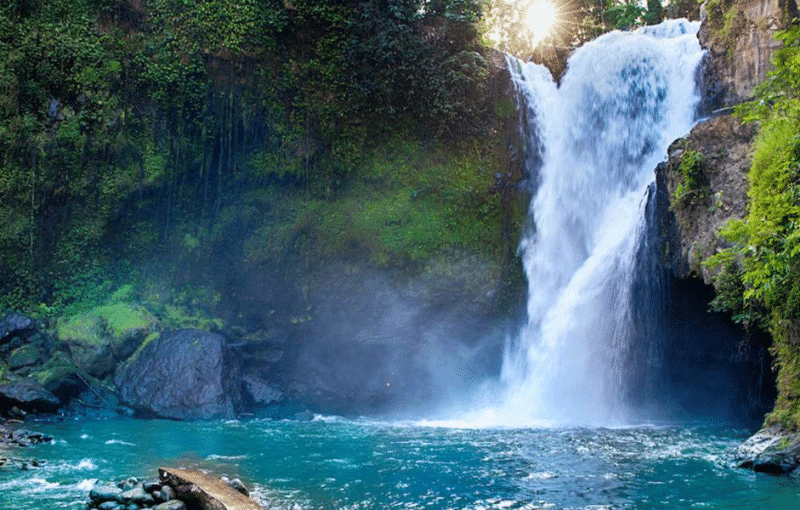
331, 463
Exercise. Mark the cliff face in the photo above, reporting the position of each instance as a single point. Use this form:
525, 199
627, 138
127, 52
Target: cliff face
738, 35
706, 175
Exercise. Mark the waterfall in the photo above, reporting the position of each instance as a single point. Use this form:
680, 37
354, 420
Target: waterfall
596, 140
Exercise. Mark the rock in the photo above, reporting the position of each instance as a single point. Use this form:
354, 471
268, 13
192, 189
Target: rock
184, 375
770, 450
166, 493
137, 495
100, 338
725, 144
128, 484
260, 392
28, 394
105, 492
24, 437
24, 356
109, 505
739, 37
239, 486
151, 485
59, 375
173, 504
205, 491
15, 324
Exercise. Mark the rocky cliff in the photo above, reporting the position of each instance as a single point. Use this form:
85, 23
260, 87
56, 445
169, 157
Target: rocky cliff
706, 177
707, 173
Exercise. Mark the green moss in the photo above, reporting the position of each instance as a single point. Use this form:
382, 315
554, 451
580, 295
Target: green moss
121, 319
85, 328
105, 324
178, 317
406, 203
123, 294
787, 407
56, 368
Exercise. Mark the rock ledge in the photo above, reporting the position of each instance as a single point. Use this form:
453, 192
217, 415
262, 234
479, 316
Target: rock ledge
771, 450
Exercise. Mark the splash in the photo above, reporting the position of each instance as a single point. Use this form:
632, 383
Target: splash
594, 142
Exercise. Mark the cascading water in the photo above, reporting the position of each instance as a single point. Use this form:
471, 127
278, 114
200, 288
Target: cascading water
598, 136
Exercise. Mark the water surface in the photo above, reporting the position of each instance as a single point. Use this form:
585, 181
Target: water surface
333, 463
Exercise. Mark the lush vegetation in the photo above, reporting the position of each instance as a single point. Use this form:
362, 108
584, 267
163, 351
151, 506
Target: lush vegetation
758, 277
172, 132
150, 141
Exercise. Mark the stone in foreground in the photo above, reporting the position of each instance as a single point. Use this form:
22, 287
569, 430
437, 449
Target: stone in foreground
205, 491
771, 450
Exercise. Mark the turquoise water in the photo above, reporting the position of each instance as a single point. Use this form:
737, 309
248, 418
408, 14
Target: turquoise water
332, 463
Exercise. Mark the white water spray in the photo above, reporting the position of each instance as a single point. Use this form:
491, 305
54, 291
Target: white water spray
599, 136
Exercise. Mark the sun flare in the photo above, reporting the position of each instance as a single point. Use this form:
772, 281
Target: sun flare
541, 17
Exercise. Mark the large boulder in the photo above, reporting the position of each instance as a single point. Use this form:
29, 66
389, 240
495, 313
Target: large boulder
183, 375
100, 338
770, 450
27, 394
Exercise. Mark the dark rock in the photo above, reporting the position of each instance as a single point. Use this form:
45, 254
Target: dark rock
59, 375
151, 485
109, 505
770, 450
15, 324
27, 394
22, 437
184, 375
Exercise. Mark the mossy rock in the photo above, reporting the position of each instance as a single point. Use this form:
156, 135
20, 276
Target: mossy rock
24, 356
57, 372
101, 337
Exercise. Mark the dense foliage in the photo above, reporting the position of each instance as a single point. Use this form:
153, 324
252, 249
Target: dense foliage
759, 275
171, 131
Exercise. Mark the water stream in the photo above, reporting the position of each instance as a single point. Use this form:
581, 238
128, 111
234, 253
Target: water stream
597, 138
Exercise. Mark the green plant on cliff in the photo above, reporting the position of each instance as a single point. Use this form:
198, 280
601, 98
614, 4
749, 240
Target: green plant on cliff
693, 183
759, 276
